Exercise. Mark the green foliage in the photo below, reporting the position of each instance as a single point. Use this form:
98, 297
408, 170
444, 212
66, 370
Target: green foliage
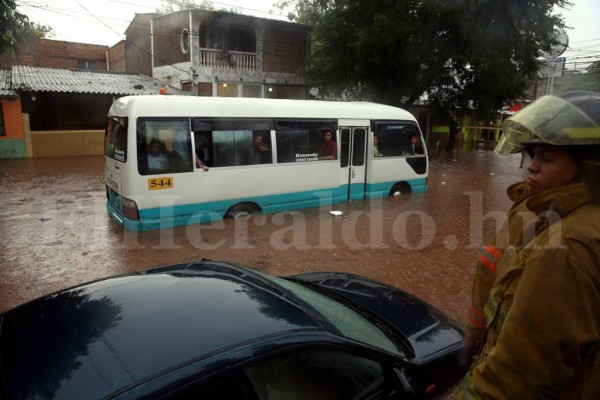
169, 6
594, 68
461, 53
15, 27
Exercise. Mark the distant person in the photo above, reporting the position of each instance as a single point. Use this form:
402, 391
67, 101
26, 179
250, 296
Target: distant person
454, 131
327, 149
157, 157
261, 151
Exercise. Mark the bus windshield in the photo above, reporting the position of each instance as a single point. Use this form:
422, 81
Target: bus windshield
115, 139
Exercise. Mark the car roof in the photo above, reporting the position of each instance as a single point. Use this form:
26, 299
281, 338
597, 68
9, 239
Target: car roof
106, 335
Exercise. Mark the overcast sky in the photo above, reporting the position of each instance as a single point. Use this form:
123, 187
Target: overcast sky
104, 21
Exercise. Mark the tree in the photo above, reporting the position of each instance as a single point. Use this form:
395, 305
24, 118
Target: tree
16, 27
594, 68
169, 6
460, 53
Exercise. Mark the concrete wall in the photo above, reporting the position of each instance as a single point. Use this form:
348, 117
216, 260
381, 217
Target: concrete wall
12, 148
67, 143
12, 145
138, 52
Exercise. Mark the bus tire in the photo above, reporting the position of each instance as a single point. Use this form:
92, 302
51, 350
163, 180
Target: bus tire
399, 188
242, 210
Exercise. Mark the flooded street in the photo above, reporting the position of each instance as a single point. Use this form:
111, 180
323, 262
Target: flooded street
56, 233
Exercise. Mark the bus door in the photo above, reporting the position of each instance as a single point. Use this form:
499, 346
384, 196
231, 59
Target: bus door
353, 160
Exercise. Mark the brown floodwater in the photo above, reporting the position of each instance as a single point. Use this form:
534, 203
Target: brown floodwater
55, 232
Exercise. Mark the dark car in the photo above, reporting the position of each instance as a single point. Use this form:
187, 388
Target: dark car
212, 330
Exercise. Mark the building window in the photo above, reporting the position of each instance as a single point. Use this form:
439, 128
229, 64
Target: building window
184, 41
205, 89
215, 35
186, 87
285, 92
2, 128
86, 64
251, 91
227, 90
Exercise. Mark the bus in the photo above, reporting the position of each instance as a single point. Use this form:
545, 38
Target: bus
179, 160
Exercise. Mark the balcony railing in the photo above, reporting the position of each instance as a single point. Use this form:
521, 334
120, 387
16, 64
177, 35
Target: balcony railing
213, 58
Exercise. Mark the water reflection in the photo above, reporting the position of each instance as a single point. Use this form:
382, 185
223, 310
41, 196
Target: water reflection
42, 342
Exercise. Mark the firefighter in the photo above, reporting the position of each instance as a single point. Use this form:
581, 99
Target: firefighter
533, 326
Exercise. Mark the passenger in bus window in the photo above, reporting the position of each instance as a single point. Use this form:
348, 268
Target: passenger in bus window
157, 157
414, 147
204, 151
181, 148
376, 151
261, 150
200, 164
327, 149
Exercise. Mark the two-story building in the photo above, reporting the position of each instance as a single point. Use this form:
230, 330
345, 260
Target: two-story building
211, 53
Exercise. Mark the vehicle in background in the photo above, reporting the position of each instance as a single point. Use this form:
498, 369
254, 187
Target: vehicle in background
219, 331
263, 155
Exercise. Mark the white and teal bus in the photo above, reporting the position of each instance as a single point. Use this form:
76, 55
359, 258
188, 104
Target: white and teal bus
179, 160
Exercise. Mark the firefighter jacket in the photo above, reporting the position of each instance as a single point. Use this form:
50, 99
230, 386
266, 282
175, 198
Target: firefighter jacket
535, 312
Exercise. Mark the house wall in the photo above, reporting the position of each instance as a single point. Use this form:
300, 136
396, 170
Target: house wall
138, 49
167, 34
116, 58
28, 53
55, 54
13, 144
58, 54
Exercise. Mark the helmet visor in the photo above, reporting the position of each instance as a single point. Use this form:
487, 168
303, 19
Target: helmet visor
550, 120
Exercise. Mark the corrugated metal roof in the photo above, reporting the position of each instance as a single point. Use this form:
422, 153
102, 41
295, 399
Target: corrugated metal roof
5, 90
26, 78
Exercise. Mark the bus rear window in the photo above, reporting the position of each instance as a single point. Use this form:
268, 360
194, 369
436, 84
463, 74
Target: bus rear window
164, 146
115, 138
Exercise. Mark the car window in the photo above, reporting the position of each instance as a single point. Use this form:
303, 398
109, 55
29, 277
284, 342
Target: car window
221, 387
316, 374
348, 322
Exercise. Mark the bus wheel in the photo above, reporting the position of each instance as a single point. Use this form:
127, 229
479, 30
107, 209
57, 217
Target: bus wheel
399, 188
242, 210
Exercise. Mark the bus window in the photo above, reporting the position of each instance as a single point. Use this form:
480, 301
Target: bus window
398, 139
205, 147
164, 146
303, 140
233, 142
115, 139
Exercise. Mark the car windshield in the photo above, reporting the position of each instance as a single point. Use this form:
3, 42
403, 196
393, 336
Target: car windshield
348, 322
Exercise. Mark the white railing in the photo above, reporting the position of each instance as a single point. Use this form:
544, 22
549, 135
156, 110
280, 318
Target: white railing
213, 58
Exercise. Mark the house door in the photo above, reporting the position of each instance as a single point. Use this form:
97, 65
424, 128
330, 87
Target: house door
353, 160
